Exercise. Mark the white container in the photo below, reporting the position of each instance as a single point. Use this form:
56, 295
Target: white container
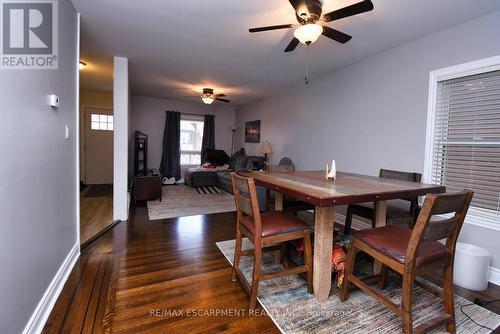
472, 267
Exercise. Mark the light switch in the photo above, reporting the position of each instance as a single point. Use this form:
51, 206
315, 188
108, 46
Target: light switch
66, 128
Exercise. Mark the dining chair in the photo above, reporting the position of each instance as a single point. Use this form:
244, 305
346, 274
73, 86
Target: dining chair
408, 252
265, 230
398, 210
286, 165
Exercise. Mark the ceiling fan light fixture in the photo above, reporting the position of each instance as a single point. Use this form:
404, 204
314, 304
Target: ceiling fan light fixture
308, 33
207, 99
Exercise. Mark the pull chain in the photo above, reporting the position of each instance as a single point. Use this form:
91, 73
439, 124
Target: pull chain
306, 78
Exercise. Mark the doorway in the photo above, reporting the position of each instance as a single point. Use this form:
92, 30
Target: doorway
96, 168
98, 147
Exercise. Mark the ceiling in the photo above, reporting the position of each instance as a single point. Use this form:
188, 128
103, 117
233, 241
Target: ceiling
175, 47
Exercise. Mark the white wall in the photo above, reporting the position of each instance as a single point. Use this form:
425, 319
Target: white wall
148, 116
372, 114
38, 176
121, 138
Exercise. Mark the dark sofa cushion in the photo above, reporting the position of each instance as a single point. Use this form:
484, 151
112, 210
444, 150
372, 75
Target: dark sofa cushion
255, 162
238, 160
216, 157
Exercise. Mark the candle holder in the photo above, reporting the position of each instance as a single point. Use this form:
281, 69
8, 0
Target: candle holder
330, 174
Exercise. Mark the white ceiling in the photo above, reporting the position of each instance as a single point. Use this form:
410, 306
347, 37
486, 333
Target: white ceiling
175, 47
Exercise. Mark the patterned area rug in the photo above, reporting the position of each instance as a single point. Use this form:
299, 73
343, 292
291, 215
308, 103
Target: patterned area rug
294, 310
208, 190
181, 200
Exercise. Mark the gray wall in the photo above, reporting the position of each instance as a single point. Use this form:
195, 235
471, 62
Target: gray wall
37, 177
148, 116
372, 114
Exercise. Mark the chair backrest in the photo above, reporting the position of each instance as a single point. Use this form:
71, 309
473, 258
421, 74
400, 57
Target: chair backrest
431, 226
285, 162
404, 176
398, 175
245, 197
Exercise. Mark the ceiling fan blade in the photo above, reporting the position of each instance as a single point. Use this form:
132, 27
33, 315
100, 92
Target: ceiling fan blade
336, 35
220, 95
357, 8
315, 7
300, 7
223, 100
293, 44
282, 26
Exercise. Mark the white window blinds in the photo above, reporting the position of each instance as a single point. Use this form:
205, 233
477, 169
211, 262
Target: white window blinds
466, 152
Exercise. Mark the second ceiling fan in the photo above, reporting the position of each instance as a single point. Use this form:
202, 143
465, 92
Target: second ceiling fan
208, 96
309, 13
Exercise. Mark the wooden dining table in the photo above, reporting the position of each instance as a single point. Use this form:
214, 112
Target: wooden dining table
348, 188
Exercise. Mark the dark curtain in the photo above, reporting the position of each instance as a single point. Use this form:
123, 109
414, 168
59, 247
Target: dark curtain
208, 141
170, 159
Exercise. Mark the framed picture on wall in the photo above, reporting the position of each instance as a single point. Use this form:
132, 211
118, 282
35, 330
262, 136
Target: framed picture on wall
252, 132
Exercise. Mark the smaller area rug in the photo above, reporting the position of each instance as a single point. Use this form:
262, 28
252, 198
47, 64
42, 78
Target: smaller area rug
181, 200
294, 310
100, 190
208, 190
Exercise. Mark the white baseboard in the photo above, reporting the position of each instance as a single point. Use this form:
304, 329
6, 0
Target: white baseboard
494, 276
44, 307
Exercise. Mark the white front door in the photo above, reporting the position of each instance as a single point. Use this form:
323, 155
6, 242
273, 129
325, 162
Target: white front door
98, 146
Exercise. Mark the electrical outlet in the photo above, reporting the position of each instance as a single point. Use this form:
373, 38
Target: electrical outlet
66, 128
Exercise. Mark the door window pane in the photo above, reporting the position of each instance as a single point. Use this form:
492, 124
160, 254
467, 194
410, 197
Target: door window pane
101, 122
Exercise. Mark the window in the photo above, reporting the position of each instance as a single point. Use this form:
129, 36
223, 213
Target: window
191, 137
464, 149
101, 122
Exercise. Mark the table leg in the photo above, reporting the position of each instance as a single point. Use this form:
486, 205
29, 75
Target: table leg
380, 220
278, 201
323, 239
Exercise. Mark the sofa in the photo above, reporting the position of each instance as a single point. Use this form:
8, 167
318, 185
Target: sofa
239, 161
207, 176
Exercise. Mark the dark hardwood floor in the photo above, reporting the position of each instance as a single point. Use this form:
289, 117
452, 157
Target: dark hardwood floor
163, 266
96, 213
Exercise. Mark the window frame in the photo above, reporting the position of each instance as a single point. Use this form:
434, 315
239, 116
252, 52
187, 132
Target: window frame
188, 118
448, 73
99, 122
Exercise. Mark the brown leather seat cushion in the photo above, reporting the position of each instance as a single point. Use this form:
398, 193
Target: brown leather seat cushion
274, 223
393, 241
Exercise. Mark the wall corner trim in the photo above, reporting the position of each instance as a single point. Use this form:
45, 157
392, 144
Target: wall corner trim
494, 276
49, 298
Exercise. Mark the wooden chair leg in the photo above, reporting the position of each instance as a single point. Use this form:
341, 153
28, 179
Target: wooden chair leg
406, 304
383, 276
349, 268
257, 263
348, 221
449, 305
308, 261
237, 253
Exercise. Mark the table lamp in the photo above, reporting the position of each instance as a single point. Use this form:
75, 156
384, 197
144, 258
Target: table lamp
265, 149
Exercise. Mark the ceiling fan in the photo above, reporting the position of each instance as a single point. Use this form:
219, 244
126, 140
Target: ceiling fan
208, 96
309, 13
